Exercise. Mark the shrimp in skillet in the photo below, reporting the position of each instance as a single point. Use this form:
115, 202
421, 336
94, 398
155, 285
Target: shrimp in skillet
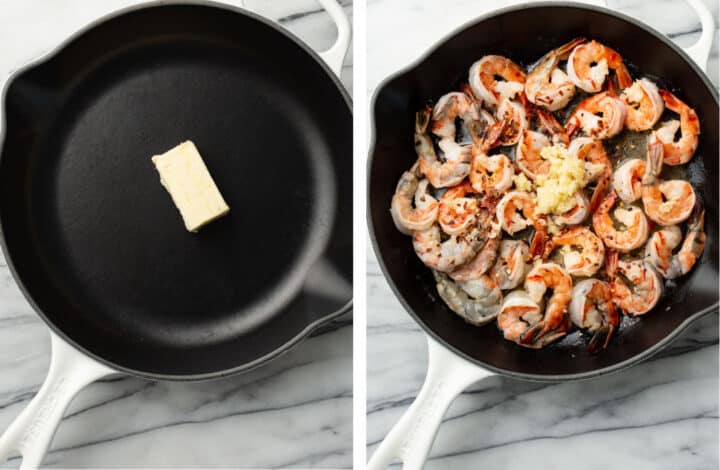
510, 267
518, 313
582, 251
440, 174
449, 254
527, 154
600, 116
457, 209
491, 174
644, 105
679, 152
516, 211
546, 84
636, 226
477, 301
665, 202
512, 112
576, 214
592, 308
483, 79
425, 211
555, 321
627, 180
598, 167
659, 250
636, 286
590, 63
480, 264
448, 108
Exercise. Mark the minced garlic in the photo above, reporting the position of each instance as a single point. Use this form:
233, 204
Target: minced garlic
522, 183
556, 189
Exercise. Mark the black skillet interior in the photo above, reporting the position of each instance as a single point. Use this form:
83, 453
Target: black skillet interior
525, 34
97, 244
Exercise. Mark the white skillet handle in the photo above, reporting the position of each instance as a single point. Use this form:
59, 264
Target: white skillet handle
31, 432
700, 51
335, 56
412, 437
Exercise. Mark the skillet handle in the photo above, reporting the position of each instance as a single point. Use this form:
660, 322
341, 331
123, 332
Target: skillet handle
335, 56
700, 51
31, 432
412, 437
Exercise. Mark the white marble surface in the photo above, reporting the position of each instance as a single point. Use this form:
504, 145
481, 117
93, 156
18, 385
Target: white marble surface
294, 413
661, 414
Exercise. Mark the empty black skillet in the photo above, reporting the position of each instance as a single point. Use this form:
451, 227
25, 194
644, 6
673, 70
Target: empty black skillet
461, 354
95, 242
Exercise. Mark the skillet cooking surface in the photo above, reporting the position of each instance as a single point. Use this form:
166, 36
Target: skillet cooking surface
97, 242
524, 35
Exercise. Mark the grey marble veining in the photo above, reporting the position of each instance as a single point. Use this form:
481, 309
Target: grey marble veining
661, 414
294, 413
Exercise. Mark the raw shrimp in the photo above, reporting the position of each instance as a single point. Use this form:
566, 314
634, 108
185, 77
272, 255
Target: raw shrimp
457, 211
516, 211
480, 264
546, 84
590, 63
592, 308
477, 301
577, 213
665, 202
510, 267
658, 251
555, 321
636, 225
406, 217
627, 180
583, 252
483, 79
446, 255
440, 174
598, 167
515, 115
645, 287
517, 314
644, 105
600, 116
680, 151
527, 154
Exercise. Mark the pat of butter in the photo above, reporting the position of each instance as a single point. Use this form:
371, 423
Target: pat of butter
185, 176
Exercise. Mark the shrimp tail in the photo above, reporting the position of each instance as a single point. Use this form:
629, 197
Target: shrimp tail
548, 121
538, 244
602, 185
654, 163
611, 262
572, 125
564, 51
467, 89
697, 218
601, 338
624, 80
671, 101
422, 119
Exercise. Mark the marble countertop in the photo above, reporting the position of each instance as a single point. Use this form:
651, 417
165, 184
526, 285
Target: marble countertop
661, 414
296, 412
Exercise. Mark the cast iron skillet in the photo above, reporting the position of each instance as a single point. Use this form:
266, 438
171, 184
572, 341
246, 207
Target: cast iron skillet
97, 245
525, 34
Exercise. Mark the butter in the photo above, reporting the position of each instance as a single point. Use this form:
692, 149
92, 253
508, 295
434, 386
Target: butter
185, 176
556, 189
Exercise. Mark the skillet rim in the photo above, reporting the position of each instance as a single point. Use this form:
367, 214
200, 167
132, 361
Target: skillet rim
51, 55
622, 365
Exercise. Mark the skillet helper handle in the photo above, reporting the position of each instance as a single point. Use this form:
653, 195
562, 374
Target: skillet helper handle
31, 432
335, 56
700, 51
412, 437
